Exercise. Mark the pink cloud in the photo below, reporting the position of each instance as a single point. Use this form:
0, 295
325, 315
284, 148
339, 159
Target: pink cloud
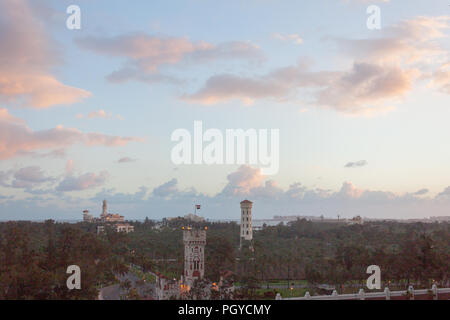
99, 114
146, 54
16, 138
383, 70
27, 57
441, 78
361, 90
69, 167
348, 190
242, 181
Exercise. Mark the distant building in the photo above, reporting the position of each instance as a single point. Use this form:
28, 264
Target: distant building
167, 288
87, 217
100, 229
440, 219
124, 227
194, 218
226, 284
356, 220
117, 221
111, 217
246, 232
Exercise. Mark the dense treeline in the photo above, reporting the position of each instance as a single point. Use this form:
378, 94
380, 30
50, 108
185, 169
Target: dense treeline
333, 254
34, 256
316, 251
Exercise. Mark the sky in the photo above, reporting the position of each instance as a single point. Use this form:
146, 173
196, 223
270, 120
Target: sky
88, 114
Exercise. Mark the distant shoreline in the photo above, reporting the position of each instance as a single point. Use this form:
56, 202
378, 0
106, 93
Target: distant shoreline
270, 221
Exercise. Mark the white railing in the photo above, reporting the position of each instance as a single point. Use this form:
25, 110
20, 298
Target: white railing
361, 295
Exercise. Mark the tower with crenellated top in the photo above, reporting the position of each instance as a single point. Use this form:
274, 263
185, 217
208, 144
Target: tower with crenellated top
194, 254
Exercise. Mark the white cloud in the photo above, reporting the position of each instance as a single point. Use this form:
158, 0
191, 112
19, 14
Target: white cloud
293, 37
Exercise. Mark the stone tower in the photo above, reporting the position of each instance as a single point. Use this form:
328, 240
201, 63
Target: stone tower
246, 222
105, 208
194, 254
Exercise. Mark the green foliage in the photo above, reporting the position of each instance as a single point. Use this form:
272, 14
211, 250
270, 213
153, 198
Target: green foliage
34, 256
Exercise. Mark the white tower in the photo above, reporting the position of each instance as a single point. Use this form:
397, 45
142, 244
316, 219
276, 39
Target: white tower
246, 222
194, 254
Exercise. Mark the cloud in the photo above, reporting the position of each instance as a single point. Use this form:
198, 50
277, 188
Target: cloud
166, 189
364, 1
445, 193
366, 86
356, 164
145, 54
348, 190
421, 192
242, 181
169, 190
27, 57
358, 91
4, 177
383, 71
120, 197
25, 178
405, 43
225, 87
294, 38
82, 182
57, 153
99, 114
441, 78
126, 160
17, 139
269, 199
29, 177
69, 167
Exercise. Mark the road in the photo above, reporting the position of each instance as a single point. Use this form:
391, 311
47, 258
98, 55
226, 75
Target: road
114, 292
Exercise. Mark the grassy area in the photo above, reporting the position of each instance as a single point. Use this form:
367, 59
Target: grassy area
286, 293
284, 282
263, 284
